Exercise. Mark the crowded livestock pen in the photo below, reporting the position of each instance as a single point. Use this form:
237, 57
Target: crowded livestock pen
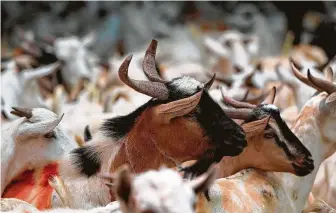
168, 107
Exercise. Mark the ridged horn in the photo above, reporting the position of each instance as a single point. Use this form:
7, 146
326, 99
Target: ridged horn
154, 89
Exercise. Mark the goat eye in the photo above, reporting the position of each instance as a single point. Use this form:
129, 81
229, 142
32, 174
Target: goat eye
50, 135
269, 134
246, 41
228, 43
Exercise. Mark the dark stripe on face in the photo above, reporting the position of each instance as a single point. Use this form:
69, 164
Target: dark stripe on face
291, 140
290, 136
263, 111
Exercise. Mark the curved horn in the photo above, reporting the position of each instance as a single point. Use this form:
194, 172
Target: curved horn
22, 112
242, 114
226, 81
297, 65
324, 85
208, 84
245, 96
148, 64
271, 97
236, 104
329, 75
300, 76
154, 89
45, 126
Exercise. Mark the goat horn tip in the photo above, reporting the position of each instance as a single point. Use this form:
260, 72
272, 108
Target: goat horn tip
129, 57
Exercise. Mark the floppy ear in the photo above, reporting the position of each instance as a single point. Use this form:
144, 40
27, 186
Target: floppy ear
203, 182
166, 112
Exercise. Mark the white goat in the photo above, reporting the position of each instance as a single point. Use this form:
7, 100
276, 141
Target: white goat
19, 88
235, 46
162, 191
78, 61
30, 142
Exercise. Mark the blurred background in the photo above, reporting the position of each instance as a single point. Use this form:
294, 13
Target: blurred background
69, 53
124, 27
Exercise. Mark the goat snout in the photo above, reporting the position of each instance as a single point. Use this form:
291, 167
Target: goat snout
304, 166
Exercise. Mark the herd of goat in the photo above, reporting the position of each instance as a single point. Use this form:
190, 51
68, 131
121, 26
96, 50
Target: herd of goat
137, 135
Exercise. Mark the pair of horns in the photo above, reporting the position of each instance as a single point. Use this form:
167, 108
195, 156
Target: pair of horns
243, 110
319, 84
156, 86
41, 127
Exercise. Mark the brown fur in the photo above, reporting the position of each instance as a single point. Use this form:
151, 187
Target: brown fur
146, 148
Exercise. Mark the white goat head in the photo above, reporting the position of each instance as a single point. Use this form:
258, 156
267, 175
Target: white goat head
162, 191
20, 88
235, 46
79, 62
30, 142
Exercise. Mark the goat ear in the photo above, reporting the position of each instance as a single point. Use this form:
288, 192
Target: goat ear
331, 98
271, 97
40, 72
252, 44
123, 186
166, 112
215, 47
203, 182
89, 39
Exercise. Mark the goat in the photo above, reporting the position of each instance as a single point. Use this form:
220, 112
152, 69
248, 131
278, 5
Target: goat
235, 46
31, 142
263, 133
281, 192
318, 206
139, 193
78, 61
182, 103
21, 88
324, 187
263, 124
176, 94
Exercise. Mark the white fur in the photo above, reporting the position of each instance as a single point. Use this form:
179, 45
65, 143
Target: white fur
21, 89
187, 85
163, 191
79, 62
239, 53
21, 149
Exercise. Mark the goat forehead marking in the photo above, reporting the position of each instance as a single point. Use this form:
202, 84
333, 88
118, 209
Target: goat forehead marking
271, 107
186, 84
